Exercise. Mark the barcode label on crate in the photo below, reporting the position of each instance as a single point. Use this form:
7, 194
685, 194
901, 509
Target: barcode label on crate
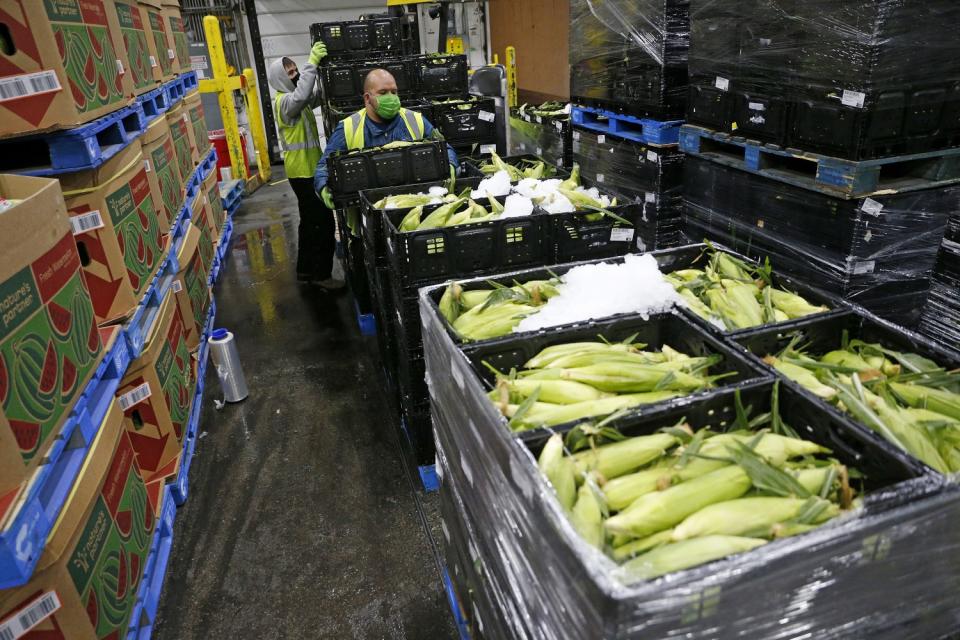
25, 620
488, 148
721, 83
486, 116
153, 61
601, 139
171, 54
137, 395
120, 69
146, 166
601, 177
756, 106
649, 196
865, 266
620, 234
853, 98
176, 286
652, 156
871, 207
86, 222
28, 84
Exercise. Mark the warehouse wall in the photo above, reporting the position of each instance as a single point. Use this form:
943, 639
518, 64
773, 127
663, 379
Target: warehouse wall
538, 30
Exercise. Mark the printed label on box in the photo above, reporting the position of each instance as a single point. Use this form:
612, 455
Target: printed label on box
721, 83
756, 106
871, 207
120, 69
28, 84
146, 166
601, 139
652, 156
29, 617
867, 266
486, 116
853, 98
134, 396
649, 196
176, 286
153, 61
86, 222
171, 54
621, 234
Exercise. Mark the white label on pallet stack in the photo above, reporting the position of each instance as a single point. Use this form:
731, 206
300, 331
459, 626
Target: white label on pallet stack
486, 116
28, 84
86, 222
620, 234
649, 196
488, 148
601, 139
26, 619
135, 396
866, 266
756, 106
652, 156
576, 135
721, 83
853, 98
601, 177
871, 207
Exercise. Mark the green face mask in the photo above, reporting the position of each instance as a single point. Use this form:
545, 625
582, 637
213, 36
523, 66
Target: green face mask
388, 106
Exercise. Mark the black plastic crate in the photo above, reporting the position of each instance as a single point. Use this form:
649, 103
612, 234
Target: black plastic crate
470, 119
471, 165
673, 329
820, 335
351, 38
441, 75
351, 172
417, 425
342, 81
547, 137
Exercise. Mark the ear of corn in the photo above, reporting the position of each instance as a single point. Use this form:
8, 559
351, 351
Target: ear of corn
689, 553
616, 459
587, 515
554, 391
792, 305
802, 376
559, 471
555, 415
411, 221
634, 548
752, 517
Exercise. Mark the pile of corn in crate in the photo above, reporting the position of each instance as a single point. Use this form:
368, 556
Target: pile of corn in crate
741, 505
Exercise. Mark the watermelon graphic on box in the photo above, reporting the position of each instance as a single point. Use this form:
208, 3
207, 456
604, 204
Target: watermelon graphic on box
89, 576
212, 191
49, 342
175, 29
193, 294
117, 230
158, 151
180, 132
59, 66
159, 41
157, 392
133, 45
201, 137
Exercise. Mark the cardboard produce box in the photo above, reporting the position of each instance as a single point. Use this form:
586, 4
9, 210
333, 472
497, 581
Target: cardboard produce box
41, 87
201, 137
180, 131
211, 188
159, 154
202, 216
159, 40
88, 578
117, 231
171, 15
49, 343
193, 294
131, 41
157, 392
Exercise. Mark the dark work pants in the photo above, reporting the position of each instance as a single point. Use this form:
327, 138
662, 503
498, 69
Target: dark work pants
316, 241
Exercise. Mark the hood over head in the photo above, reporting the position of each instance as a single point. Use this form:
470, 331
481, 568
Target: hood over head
277, 76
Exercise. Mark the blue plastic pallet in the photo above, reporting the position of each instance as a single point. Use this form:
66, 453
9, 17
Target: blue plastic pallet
231, 211
220, 255
822, 173
155, 103
207, 164
189, 81
365, 321
138, 326
463, 627
174, 90
643, 130
23, 541
180, 488
178, 230
85, 147
230, 194
155, 570
428, 476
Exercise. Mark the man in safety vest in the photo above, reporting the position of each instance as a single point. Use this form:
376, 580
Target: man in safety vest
293, 105
381, 121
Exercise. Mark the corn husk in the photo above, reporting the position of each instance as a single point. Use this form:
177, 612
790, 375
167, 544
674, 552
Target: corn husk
558, 470
689, 553
618, 458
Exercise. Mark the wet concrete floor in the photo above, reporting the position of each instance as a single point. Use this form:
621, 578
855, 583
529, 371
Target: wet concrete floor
301, 520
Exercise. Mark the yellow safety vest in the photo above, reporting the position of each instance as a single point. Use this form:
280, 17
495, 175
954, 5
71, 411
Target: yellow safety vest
300, 142
353, 127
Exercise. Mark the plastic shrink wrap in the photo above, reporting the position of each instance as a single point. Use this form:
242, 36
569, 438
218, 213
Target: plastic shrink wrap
887, 571
630, 55
647, 175
877, 251
858, 79
941, 316
544, 136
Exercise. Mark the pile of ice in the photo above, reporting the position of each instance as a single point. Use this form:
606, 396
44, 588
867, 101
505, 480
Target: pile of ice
602, 290
529, 191
496, 185
517, 206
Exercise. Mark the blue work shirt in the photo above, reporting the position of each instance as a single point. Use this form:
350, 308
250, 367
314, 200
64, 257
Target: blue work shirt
375, 134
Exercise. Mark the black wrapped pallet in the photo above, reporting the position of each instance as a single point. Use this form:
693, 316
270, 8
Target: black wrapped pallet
873, 572
941, 315
548, 137
876, 251
630, 56
858, 80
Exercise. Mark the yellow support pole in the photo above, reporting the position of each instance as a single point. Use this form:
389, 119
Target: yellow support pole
256, 126
223, 85
511, 60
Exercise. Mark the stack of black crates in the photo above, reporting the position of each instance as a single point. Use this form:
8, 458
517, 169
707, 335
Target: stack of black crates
825, 137
546, 136
628, 88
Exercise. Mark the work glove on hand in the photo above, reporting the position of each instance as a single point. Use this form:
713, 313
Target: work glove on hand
317, 53
453, 179
327, 198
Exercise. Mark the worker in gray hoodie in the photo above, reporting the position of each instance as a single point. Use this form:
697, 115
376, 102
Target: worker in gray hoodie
297, 95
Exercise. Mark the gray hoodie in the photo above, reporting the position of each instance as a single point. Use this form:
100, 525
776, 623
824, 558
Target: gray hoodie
295, 99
